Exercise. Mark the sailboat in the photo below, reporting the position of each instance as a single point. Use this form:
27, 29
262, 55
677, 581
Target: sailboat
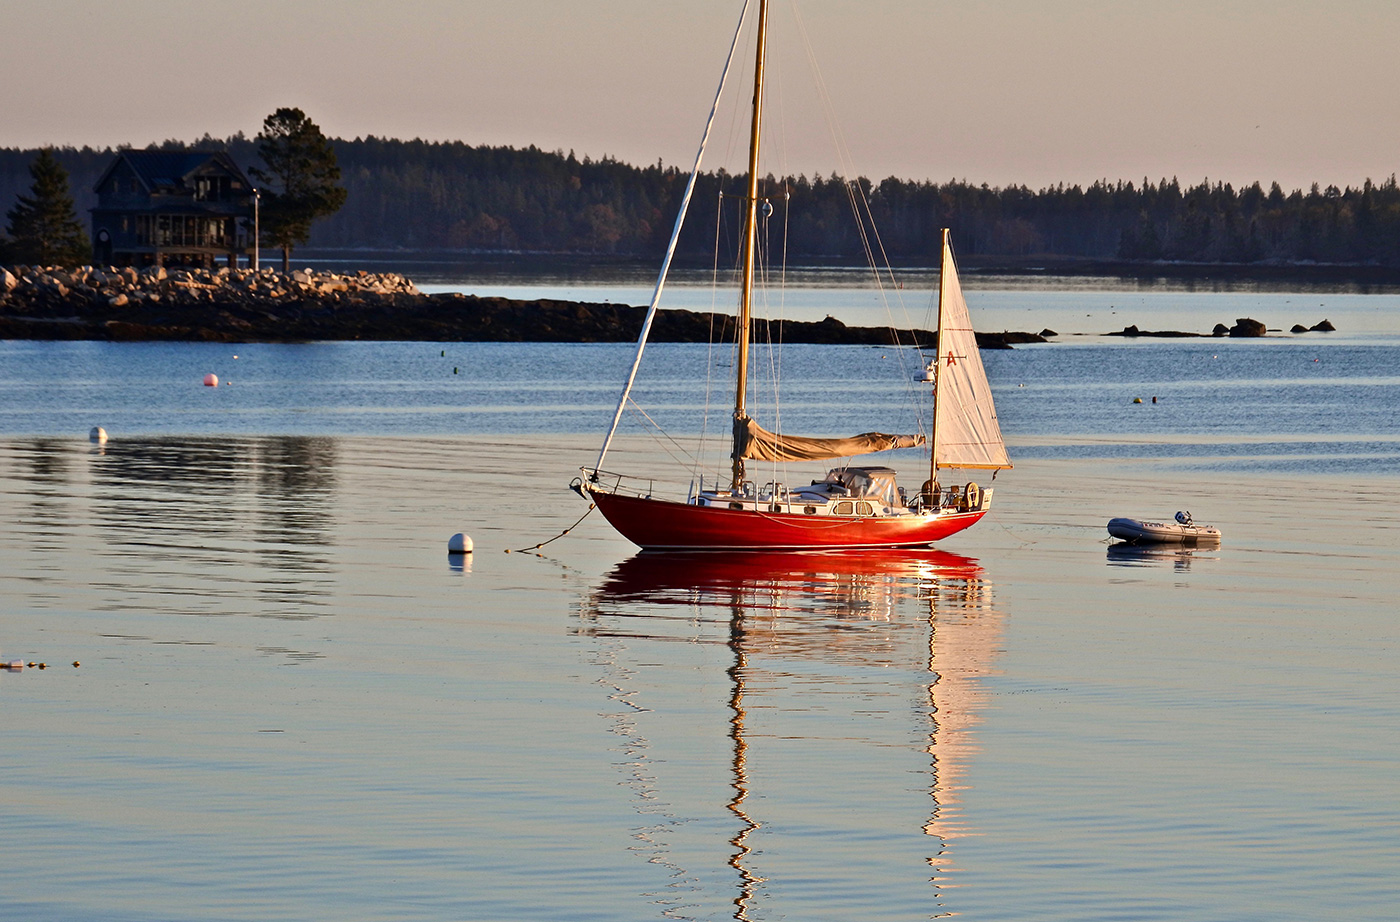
851, 506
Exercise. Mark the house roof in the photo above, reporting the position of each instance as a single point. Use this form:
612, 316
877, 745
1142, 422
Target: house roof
168, 168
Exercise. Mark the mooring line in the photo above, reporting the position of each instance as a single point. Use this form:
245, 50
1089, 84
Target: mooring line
526, 550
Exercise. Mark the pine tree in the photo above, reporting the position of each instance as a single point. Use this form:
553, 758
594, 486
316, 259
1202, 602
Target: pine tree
301, 166
44, 227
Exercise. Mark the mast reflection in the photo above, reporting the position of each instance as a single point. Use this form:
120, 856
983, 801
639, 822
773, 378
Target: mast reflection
800, 605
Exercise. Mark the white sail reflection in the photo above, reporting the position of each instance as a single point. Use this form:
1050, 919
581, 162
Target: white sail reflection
856, 612
965, 633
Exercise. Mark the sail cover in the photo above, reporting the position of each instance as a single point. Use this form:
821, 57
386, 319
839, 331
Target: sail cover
966, 433
753, 441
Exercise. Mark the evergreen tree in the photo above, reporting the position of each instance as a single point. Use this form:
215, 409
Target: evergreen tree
301, 166
44, 227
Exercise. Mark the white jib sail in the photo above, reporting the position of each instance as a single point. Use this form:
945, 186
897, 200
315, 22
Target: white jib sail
968, 435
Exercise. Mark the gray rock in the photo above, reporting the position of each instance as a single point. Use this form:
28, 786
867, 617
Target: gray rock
1245, 326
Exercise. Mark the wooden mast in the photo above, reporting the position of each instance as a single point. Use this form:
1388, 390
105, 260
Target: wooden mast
937, 366
750, 233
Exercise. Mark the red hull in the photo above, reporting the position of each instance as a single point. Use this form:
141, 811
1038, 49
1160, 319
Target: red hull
656, 524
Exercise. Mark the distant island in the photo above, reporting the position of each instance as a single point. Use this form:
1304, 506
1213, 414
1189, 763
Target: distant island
456, 198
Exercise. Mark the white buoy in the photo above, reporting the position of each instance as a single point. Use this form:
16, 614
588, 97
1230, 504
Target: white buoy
459, 544
211, 380
98, 434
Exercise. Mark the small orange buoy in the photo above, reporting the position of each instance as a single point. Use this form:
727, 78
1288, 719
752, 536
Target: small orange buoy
211, 380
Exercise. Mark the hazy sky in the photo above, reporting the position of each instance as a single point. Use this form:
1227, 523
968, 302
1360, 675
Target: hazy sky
997, 91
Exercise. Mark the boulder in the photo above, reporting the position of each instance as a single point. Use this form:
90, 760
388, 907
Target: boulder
301, 276
1048, 332
1298, 328
7, 281
119, 300
1220, 330
1245, 326
1323, 327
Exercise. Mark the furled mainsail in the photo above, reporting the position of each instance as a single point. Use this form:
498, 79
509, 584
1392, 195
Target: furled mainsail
753, 441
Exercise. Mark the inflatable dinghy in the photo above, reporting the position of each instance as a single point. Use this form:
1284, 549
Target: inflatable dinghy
1181, 531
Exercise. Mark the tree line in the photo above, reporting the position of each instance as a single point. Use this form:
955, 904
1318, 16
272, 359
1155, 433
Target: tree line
420, 195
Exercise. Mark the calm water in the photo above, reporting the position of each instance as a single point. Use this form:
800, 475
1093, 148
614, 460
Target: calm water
293, 705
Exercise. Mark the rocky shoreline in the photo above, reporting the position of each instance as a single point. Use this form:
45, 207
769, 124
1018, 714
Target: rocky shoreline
242, 305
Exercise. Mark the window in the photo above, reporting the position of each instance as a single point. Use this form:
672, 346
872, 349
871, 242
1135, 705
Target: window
845, 507
864, 509
809, 510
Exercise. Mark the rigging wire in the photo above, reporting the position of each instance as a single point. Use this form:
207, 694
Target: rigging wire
675, 237
861, 203
699, 469
636, 408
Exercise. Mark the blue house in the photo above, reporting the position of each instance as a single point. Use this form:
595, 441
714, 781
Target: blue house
171, 208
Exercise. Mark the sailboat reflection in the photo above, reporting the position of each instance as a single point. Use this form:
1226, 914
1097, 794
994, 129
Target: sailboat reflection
918, 609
